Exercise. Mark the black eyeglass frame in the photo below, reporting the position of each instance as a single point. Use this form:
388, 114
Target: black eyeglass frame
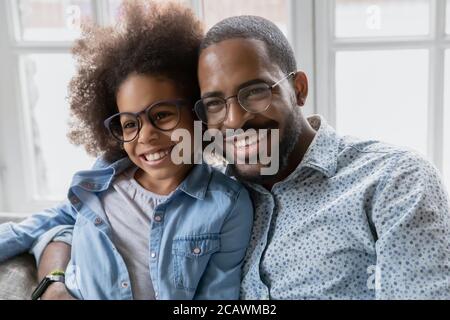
199, 104
179, 103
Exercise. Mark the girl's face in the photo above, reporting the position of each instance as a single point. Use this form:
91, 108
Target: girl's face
150, 151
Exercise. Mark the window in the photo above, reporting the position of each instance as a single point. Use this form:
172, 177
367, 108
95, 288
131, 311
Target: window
274, 10
367, 89
47, 118
382, 18
448, 17
47, 20
447, 119
380, 72
37, 162
37, 159
114, 5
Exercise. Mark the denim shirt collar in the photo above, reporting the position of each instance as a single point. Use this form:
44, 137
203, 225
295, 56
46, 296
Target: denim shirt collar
196, 183
99, 178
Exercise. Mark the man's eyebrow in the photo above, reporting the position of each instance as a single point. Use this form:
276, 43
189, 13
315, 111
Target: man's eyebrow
249, 83
243, 85
212, 94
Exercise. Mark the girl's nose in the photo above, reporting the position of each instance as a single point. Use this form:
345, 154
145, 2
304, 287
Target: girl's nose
148, 132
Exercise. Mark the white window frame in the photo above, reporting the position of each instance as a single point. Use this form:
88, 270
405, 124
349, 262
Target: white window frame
16, 192
16, 189
327, 45
301, 36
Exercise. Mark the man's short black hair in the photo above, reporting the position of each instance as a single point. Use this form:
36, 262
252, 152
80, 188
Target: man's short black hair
254, 27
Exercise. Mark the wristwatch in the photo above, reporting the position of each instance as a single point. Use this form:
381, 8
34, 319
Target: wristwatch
54, 276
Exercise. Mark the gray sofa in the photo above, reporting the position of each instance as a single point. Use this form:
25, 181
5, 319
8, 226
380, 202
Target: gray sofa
18, 276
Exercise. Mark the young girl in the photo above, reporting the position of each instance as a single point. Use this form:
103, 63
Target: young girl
144, 227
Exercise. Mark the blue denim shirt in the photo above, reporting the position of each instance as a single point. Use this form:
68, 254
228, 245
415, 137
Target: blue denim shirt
196, 248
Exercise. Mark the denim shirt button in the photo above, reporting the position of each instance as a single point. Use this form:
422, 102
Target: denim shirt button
75, 200
87, 185
158, 218
197, 250
153, 255
124, 284
98, 221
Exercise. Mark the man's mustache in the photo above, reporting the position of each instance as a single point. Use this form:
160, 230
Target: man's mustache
268, 126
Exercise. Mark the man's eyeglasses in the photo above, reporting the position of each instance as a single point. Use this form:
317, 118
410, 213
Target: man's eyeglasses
255, 98
163, 115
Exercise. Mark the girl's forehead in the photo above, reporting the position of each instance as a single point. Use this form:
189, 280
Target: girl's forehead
138, 91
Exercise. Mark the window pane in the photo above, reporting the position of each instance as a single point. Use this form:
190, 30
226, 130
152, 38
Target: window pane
447, 120
114, 6
274, 10
382, 18
53, 158
448, 16
383, 95
52, 20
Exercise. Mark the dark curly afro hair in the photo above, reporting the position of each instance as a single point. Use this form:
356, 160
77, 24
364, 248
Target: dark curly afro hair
154, 38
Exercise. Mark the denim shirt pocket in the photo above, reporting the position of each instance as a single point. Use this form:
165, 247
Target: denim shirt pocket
191, 255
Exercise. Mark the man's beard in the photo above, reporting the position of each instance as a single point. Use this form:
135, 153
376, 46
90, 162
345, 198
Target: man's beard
287, 145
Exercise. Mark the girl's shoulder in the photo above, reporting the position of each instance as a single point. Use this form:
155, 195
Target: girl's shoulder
222, 182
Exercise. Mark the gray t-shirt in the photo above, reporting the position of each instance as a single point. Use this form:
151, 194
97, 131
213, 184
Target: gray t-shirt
129, 208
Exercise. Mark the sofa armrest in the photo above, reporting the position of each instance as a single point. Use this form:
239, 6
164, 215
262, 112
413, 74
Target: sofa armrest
18, 278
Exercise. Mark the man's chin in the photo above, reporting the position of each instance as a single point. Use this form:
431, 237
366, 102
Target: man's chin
249, 173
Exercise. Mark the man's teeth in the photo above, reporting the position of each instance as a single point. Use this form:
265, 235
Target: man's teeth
249, 139
157, 155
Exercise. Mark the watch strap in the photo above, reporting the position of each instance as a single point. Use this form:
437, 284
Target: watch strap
54, 276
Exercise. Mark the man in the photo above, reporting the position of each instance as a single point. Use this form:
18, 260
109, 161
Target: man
342, 218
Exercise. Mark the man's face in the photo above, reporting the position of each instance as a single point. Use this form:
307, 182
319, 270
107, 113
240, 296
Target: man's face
226, 67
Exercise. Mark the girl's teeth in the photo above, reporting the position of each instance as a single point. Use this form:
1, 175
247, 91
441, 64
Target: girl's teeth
157, 155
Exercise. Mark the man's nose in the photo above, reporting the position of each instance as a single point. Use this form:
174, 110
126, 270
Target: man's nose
236, 116
148, 132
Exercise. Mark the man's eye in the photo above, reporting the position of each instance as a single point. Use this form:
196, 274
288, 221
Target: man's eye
213, 105
256, 92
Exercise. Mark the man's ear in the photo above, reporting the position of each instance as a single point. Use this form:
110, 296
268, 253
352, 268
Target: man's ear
301, 87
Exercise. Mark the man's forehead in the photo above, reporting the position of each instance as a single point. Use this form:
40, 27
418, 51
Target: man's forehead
232, 50
230, 63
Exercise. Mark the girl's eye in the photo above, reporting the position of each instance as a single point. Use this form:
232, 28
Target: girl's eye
129, 125
161, 115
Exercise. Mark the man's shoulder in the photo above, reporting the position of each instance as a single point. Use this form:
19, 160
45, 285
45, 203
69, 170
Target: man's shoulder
375, 152
378, 160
